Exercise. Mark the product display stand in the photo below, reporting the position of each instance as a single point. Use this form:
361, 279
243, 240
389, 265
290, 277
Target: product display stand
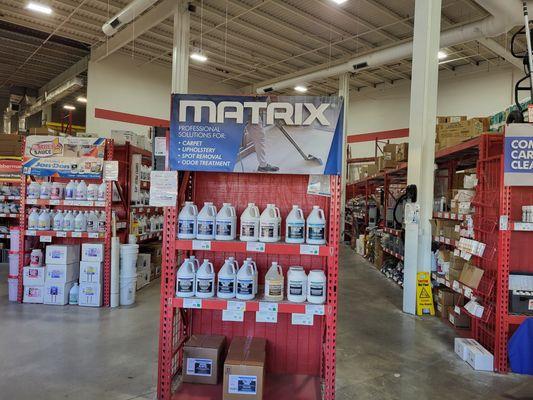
300, 358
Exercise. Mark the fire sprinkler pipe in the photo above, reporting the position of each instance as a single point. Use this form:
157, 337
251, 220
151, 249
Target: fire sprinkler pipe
126, 15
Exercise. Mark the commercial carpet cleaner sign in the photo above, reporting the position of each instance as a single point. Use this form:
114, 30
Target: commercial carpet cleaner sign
518, 163
270, 134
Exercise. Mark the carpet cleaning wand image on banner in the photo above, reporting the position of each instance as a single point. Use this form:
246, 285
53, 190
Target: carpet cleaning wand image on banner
268, 134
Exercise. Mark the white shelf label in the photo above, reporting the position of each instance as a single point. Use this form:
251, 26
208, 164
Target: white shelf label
467, 292
231, 315
255, 246
45, 239
314, 309
266, 306
504, 222
76, 234
61, 234
68, 202
201, 245
236, 305
523, 226
302, 319
456, 286
457, 310
93, 235
30, 201
99, 203
457, 252
192, 303
54, 202
266, 316
31, 233
309, 249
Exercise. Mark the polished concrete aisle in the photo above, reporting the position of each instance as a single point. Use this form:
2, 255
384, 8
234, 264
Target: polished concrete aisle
51, 353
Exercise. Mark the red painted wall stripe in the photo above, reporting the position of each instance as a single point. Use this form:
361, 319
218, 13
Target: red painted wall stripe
129, 118
368, 137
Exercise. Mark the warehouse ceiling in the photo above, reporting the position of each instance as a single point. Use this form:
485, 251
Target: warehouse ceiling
246, 41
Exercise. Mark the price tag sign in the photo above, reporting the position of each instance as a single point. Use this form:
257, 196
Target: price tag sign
457, 310
110, 170
230, 315
457, 252
201, 245
76, 234
31, 233
30, 201
467, 292
99, 203
266, 306
302, 319
93, 235
456, 287
236, 305
54, 202
45, 239
163, 188
160, 146
192, 303
257, 247
266, 316
61, 234
309, 249
315, 309
68, 202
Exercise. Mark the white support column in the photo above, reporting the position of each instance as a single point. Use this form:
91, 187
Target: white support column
422, 143
180, 51
344, 92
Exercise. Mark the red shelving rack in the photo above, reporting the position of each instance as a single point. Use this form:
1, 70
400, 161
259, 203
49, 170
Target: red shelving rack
10, 172
300, 359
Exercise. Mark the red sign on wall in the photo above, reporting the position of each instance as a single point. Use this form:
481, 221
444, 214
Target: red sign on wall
10, 170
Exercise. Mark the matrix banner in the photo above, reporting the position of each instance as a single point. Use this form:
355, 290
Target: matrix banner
518, 155
271, 134
67, 157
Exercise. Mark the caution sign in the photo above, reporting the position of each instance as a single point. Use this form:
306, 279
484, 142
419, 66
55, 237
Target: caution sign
424, 295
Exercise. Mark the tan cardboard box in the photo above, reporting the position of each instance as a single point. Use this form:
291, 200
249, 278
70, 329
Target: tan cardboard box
445, 297
371, 169
458, 320
380, 164
471, 276
454, 274
244, 369
441, 311
202, 359
447, 119
402, 152
389, 152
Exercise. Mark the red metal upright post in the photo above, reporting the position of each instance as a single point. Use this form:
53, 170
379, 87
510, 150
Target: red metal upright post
109, 148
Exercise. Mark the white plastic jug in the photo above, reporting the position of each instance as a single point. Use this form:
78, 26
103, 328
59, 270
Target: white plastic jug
102, 222
185, 279
316, 226
102, 191
80, 223
36, 258
274, 283
245, 282
269, 224
92, 191
250, 261
226, 223
295, 226
57, 191
34, 190
249, 231
70, 190
46, 191
316, 287
44, 221
196, 263
205, 280
68, 221
81, 191
227, 277
92, 222
58, 221
33, 219
205, 226
296, 285
187, 221
74, 294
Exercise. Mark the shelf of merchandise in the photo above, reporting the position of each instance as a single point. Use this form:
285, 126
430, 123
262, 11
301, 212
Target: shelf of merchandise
303, 357
60, 237
10, 175
450, 215
445, 240
393, 253
394, 232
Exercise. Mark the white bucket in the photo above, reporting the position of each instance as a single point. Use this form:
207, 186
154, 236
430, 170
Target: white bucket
128, 287
14, 236
13, 264
13, 288
128, 259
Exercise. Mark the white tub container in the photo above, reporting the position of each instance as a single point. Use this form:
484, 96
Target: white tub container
128, 288
13, 263
13, 284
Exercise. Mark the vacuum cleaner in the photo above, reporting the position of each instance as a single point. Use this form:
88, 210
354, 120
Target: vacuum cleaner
308, 157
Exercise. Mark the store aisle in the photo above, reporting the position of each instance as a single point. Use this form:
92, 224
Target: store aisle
71, 352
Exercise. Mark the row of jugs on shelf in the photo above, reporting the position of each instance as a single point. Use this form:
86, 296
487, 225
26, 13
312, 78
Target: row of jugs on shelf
74, 190
58, 220
264, 227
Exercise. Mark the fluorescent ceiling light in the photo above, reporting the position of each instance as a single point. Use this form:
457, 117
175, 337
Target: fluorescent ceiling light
442, 55
42, 8
339, 1
81, 99
197, 56
301, 89
69, 107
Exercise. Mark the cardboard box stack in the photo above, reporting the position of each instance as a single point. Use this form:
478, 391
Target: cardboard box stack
62, 271
10, 145
91, 275
33, 281
143, 270
445, 299
155, 252
474, 354
454, 130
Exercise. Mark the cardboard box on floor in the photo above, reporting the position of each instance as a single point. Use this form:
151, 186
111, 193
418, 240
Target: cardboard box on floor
244, 369
202, 359
471, 276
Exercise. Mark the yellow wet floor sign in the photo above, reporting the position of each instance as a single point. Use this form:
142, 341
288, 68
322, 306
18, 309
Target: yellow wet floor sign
424, 295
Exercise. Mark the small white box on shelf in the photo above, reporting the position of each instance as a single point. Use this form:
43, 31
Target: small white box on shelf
143, 261
92, 252
33, 276
90, 295
143, 277
62, 254
62, 273
461, 347
33, 294
479, 357
91, 272
57, 293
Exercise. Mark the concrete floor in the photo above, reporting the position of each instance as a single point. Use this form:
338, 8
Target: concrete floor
78, 353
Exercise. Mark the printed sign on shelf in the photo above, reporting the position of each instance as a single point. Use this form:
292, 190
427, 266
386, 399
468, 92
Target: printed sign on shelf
518, 155
160, 146
272, 134
10, 170
163, 188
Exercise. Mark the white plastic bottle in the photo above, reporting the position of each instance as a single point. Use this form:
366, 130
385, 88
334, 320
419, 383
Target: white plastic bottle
57, 191
316, 227
205, 280
187, 221
296, 285
226, 223
316, 287
269, 224
46, 191
250, 261
274, 283
92, 222
74, 294
101, 191
44, 221
58, 221
205, 225
81, 191
80, 223
70, 190
68, 222
92, 191
34, 190
102, 222
295, 226
249, 231
33, 219
185, 279
196, 263
245, 282
227, 277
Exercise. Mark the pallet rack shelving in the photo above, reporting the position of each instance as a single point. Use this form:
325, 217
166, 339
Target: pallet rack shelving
300, 359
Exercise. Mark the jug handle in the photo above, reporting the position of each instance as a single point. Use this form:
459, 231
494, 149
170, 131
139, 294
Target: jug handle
280, 270
278, 213
233, 212
256, 211
301, 212
195, 209
191, 264
321, 212
214, 210
235, 266
211, 267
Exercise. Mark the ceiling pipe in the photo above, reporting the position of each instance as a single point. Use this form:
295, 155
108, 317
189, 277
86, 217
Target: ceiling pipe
505, 15
126, 15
